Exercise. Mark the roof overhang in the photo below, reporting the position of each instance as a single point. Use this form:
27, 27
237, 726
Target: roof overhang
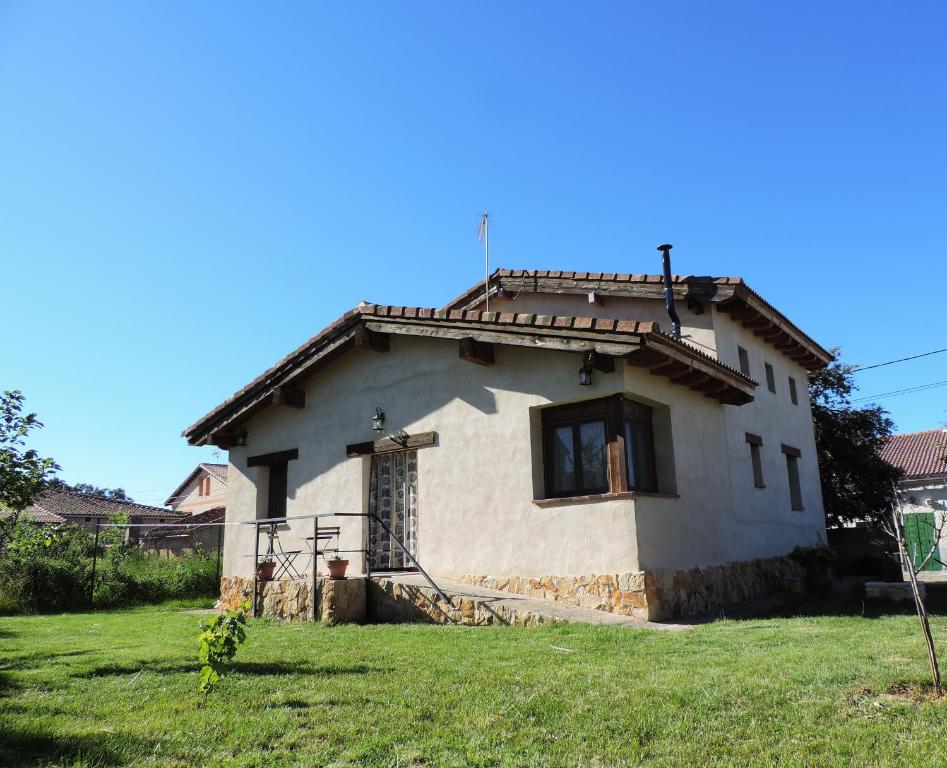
370, 326
730, 294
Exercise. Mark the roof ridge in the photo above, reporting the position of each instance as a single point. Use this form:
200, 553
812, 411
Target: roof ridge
919, 432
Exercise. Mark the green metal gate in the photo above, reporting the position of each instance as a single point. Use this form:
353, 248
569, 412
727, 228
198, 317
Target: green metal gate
919, 535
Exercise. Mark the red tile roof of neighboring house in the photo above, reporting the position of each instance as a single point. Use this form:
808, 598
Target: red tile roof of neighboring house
689, 366
59, 506
918, 454
192, 525
218, 471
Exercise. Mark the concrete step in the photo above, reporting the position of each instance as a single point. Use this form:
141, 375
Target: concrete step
408, 597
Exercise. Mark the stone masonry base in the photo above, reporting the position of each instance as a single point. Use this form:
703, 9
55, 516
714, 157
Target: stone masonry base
337, 600
656, 595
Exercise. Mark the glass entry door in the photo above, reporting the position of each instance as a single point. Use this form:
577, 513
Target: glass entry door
393, 497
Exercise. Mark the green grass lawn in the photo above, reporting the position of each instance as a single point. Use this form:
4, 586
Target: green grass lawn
120, 688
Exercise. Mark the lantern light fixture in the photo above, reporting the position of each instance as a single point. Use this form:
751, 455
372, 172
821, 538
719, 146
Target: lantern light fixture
378, 420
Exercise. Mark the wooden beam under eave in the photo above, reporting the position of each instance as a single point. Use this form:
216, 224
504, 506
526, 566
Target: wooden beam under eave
603, 363
227, 440
645, 358
374, 341
768, 332
479, 352
691, 377
294, 397
670, 368
744, 313
756, 322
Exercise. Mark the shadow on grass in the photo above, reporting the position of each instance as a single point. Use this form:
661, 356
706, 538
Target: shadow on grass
32, 660
850, 603
248, 668
33, 748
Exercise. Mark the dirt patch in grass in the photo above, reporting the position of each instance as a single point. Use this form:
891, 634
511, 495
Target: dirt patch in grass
914, 692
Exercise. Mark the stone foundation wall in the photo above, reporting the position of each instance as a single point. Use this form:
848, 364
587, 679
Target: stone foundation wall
391, 602
656, 595
337, 600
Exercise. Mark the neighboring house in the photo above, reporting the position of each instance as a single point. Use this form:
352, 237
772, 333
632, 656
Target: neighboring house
203, 489
202, 498
563, 444
89, 510
196, 533
922, 456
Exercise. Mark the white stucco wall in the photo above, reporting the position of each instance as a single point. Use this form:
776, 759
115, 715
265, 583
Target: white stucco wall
476, 487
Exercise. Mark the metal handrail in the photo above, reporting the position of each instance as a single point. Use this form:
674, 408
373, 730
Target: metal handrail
315, 519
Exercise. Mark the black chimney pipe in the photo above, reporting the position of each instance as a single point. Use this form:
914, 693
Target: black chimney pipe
669, 291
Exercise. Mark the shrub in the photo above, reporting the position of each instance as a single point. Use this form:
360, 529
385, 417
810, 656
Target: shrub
44, 569
50, 569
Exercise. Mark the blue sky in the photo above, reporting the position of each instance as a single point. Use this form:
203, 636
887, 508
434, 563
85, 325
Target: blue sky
190, 190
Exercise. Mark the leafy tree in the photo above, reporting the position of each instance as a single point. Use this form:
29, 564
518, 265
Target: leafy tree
116, 494
857, 484
23, 472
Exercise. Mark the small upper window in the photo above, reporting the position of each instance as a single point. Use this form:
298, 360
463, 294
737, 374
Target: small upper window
770, 378
792, 391
744, 360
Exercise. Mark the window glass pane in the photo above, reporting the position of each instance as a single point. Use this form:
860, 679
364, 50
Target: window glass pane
639, 453
562, 459
594, 463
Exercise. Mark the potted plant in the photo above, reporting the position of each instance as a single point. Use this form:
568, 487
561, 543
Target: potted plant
816, 561
264, 570
337, 567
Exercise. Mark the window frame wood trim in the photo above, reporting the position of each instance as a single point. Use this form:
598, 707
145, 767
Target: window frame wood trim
269, 459
391, 445
614, 411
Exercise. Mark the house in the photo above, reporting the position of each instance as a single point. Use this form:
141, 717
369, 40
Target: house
922, 456
203, 489
563, 443
201, 497
91, 511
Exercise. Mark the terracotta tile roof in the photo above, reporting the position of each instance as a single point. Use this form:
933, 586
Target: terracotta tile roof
215, 515
36, 515
218, 471
69, 504
620, 336
727, 292
918, 454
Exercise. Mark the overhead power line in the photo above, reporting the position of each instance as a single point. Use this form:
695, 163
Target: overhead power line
909, 390
859, 368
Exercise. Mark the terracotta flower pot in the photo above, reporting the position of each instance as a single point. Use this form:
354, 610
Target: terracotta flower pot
264, 571
337, 568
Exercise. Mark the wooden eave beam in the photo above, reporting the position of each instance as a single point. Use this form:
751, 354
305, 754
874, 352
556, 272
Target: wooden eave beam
479, 352
294, 397
645, 357
756, 322
603, 363
375, 341
670, 368
690, 378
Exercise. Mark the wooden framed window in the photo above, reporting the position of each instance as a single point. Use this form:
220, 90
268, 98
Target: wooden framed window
770, 378
756, 458
600, 446
639, 448
277, 490
744, 360
793, 395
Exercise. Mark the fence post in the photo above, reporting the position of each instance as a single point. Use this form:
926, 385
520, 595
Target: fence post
220, 546
95, 557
